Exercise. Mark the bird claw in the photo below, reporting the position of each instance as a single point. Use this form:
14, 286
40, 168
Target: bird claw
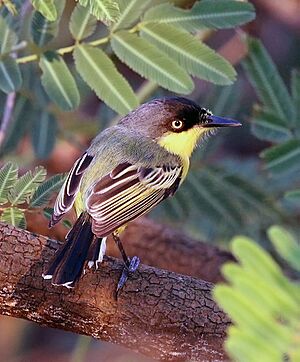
130, 268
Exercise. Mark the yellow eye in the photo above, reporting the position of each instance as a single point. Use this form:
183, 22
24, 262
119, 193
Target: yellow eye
177, 124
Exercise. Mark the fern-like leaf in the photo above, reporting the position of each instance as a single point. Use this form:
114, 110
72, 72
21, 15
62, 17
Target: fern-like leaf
269, 127
150, 62
8, 177
13, 216
45, 190
105, 10
26, 186
267, 82
191, 54
214, 14
262, 303
283, 158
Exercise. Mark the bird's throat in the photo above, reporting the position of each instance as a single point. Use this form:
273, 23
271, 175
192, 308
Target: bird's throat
182, 144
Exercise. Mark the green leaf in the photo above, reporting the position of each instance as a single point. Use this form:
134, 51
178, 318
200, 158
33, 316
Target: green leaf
150, 62
82, 23
269, 127
8, 176
293, 195
295, 85
45, 190
10, 75
14, 216
43, 135
130, 11
194, 56
104, 10
267, 82
284, 157
8, 38
46, 8
58, 81
100, 73
285, 245
214, 14
43, 30
254, 258
26, 186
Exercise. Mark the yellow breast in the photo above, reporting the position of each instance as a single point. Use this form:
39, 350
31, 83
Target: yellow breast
183, 145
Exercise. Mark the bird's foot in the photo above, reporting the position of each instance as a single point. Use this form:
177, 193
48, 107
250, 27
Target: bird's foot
129, 268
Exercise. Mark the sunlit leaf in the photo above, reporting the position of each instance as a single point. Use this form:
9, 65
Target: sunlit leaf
8, 176
150, 62
8, 38
190, 53
26, 186
130, 11
267, 82
82, 22
13, 216
46, 8
286, 245
105, 10
10, 75
44, 30
100, 73
45, 190
43, 135
262, 303
284, 157
58, 81
206, 13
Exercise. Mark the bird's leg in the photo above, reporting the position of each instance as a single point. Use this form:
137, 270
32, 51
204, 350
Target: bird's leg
131, 265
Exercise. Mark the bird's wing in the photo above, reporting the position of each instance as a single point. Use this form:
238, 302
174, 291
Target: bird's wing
128, 192
67, 194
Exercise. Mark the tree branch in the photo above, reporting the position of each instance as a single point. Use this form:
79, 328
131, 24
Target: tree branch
162, 314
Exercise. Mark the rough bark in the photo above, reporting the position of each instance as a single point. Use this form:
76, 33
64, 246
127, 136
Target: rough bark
159, 313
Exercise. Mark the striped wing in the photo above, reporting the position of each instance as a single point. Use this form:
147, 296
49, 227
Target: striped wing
128, 192
67, 194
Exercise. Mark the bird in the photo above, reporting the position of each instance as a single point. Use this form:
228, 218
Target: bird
127, 170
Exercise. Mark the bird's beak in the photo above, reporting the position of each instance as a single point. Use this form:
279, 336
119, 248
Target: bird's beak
215, 121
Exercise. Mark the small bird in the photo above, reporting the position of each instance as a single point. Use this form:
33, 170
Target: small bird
128, 169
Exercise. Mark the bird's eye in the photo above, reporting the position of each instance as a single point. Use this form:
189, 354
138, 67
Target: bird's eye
177, 124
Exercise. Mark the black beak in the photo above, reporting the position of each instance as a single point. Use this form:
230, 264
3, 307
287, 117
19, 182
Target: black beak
214, 121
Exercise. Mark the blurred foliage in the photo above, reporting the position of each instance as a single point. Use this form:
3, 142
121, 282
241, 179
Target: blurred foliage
261, 301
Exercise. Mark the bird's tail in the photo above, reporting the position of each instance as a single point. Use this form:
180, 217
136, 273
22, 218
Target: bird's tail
67, 265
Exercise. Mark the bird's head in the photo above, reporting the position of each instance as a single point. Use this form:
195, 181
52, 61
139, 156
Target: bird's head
176, 123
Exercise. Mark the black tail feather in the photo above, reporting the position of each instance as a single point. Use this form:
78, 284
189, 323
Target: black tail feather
67, 265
